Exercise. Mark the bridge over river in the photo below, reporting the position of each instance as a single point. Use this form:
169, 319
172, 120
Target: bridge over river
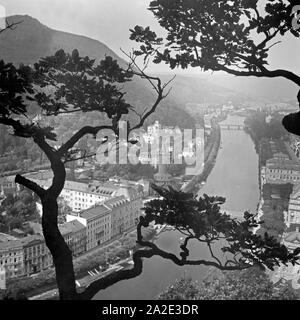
232, 123
224, 126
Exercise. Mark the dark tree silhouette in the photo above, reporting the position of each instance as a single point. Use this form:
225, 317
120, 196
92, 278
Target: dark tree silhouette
65, 84
220, 35
200, 220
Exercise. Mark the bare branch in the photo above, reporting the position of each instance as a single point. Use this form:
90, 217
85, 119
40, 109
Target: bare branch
77, 136
265, 73
85, 156
30, 185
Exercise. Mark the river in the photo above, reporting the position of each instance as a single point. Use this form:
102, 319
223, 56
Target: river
235, 177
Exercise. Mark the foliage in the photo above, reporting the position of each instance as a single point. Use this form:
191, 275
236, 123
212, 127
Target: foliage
201, 219
63, 210
17, 289
215, 35
68, 84
250, 284
126, 171
182, 289
18, 209
219, 35
257, 125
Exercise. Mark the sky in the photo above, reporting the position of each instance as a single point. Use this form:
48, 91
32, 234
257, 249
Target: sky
109, 21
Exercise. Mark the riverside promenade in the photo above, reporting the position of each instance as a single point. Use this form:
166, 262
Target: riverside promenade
210, 155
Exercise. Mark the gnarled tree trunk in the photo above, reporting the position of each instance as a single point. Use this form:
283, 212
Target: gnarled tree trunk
62, 255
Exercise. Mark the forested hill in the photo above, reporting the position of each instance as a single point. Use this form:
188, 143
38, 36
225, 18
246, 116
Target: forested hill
31, 40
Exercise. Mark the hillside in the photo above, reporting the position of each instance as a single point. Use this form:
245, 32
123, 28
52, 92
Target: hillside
221, 88
194, 89
31, 40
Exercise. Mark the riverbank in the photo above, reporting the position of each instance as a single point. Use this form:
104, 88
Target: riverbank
274, 197
210, 155
100, 258
234, 177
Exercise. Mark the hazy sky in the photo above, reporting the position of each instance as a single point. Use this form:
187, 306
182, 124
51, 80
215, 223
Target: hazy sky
109, 21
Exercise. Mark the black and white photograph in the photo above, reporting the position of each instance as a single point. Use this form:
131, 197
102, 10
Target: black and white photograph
149, 153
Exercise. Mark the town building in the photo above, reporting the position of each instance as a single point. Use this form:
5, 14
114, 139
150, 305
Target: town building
12, 258
111, 218
125, 210
37, 256
97, 222
124, 215
280, 171
74, 233
80, 196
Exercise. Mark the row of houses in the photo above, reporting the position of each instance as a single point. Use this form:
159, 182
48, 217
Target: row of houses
280, 165
82, 232
28, 255
82, 195
111, 218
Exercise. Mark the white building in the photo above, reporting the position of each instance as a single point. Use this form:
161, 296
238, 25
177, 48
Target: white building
282, 171
80, 195
12, 258
111, 218
97, 221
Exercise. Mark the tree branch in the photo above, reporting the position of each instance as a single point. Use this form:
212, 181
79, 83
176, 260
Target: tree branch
138, 256
30, 185
77, 136
115, 277
266, 73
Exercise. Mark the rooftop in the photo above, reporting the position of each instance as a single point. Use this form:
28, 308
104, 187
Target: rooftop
11, 245
18, 231
94, 212
6, 237
94, 187
32, 239
69, 227
115, 202
40, 175
282, 164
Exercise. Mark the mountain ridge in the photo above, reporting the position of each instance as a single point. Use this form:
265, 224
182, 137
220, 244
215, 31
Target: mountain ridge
31, 40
